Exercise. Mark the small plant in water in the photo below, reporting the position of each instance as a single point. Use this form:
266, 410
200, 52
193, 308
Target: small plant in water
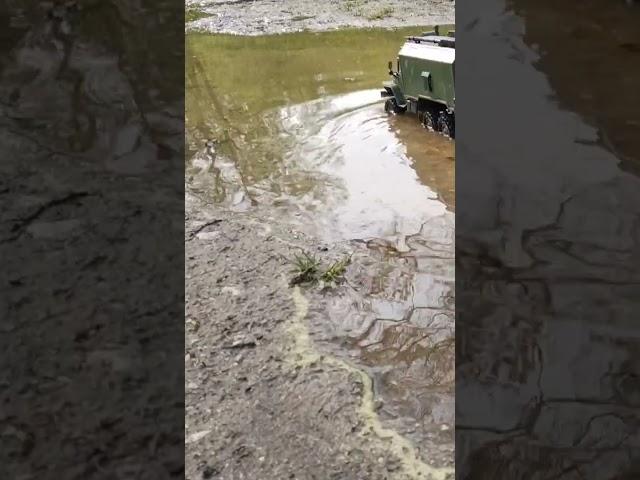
305, 268
336, 271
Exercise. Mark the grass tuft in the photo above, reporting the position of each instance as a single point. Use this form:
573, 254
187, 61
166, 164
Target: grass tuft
193, 14
381, 14
307, 270
306, 267
336, 271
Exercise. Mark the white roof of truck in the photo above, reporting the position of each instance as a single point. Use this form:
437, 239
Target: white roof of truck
426, 51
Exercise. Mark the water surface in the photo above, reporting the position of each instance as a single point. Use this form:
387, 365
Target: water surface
296, 127
297, 124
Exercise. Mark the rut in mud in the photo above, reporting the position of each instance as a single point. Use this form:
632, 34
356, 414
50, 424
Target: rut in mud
303, 148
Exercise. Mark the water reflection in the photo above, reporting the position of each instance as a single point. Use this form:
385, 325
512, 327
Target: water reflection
340, 168
354, 170
301, 134
396, 318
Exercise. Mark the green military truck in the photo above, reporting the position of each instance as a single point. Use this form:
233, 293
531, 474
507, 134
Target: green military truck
423, 82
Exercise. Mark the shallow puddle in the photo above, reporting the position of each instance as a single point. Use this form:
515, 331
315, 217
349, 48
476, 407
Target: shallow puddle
295, 124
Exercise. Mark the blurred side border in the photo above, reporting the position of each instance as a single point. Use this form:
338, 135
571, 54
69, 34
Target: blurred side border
547, 240
92, 188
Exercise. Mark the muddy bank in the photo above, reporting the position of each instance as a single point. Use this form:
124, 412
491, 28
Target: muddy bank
259, 17
261, 400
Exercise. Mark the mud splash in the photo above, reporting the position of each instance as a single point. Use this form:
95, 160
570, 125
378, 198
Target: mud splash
303, 354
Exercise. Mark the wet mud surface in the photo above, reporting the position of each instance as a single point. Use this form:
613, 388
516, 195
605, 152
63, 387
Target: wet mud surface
309, 161
260, 17
548, 255
262, 401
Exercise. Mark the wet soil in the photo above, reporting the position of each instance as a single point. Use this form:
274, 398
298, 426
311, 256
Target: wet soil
260, 17
262, 401
301, 156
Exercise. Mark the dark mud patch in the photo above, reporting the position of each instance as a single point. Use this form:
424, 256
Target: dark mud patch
547, 260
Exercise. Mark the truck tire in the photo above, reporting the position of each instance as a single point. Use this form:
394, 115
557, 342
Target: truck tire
447, 124
392, 106
430, 120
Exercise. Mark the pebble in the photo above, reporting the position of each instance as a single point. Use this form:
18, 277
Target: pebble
194, 437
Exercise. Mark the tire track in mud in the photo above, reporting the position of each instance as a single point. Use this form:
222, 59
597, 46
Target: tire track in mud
302, 353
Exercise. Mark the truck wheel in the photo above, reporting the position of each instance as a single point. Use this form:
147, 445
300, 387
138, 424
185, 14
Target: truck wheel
430, 120
392, 106
447, 125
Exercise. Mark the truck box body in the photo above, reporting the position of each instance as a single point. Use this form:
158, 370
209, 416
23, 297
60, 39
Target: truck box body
424, 83
427, 71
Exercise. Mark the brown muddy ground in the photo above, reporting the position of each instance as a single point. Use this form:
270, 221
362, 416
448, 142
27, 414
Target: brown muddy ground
354, 381
259, 17
261, 401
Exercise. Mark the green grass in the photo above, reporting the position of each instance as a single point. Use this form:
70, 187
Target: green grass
354, 7
306, 267
380, 14
193, 14
336, 271
307, 270
351, 5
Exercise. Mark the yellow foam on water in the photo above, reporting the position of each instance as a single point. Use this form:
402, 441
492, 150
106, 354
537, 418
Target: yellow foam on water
302, 353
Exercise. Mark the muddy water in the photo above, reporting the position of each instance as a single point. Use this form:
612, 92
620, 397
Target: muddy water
297, 125
294, 125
